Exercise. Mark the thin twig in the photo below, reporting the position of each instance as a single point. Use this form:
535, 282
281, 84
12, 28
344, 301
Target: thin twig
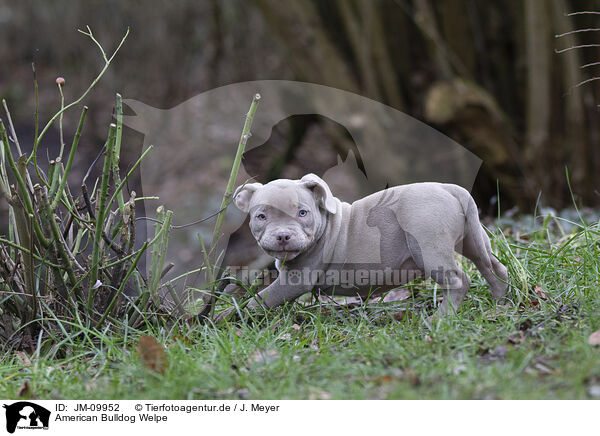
585, 81
594, 29
107, 63
576, 47
582, 13
590, 65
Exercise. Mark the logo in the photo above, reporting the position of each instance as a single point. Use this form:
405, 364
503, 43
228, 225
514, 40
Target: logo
195, 141
26, 415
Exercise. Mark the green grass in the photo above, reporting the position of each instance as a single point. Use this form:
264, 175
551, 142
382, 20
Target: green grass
534, 348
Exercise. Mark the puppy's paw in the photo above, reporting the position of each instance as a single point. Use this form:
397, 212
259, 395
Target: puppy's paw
226, 315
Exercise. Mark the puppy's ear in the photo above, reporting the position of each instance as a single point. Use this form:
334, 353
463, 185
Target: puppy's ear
243, 194
321, 191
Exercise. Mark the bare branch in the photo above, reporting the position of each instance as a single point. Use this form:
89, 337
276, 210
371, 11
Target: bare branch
576, 46
591, 29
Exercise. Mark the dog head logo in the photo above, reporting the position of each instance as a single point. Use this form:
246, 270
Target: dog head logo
196, 141
26, 415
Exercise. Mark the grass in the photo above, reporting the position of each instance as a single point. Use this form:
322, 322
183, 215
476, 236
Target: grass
535, 347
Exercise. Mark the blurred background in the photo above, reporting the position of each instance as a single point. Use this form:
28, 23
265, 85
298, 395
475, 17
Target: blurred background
494, 76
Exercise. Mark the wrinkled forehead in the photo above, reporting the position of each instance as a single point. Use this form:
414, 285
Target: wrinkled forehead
285, 195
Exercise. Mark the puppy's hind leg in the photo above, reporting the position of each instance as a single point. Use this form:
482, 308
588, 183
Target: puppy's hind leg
478, 249
455, 284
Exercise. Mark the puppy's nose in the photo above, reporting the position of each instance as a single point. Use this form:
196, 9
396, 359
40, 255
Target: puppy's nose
282, 238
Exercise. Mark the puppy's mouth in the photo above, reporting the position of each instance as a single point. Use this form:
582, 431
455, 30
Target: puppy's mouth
282, 254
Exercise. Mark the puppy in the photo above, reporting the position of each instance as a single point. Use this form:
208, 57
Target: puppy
372, 245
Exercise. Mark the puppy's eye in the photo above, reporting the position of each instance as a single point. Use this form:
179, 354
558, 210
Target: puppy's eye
302, 213
261, 216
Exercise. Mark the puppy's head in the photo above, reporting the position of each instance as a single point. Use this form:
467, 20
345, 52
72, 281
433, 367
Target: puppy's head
286, 216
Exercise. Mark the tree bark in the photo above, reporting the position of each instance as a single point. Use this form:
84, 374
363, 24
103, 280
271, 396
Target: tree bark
311, 53
538, 51
573, 109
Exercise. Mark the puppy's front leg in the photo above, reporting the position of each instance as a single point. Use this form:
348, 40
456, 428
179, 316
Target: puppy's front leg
280, 292
276, 294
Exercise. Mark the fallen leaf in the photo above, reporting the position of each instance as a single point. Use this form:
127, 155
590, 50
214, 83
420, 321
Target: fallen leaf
384, 379
23, 358
544, 368
399, 316
499, 353
525, 325
517, 338
540, 293
152, 354
242, 393
397, 295
264, 356
25, 391
412, 377
594, 339
317, 394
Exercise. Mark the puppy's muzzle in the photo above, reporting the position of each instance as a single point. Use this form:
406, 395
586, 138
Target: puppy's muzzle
283, 238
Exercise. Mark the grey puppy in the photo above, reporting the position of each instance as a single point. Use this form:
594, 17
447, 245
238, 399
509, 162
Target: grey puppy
372, 245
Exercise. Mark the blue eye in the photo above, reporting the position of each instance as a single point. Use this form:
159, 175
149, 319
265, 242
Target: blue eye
261, 216
302, 213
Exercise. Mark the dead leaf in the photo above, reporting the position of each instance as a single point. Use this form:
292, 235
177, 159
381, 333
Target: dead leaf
499, 353
384, 379
25, 390
594, 339
540, 367
397, 295
543, 368
412, 377
152, 354
517, 338
399, 316
525, 325
264, 356
23, 358
540, 293
317, 394
242, 393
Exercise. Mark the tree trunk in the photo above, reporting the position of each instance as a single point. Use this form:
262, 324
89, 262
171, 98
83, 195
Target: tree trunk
538, 102
574, 111
311, 53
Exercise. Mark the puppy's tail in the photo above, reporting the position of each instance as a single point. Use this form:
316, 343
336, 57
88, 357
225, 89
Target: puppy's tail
472, 224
